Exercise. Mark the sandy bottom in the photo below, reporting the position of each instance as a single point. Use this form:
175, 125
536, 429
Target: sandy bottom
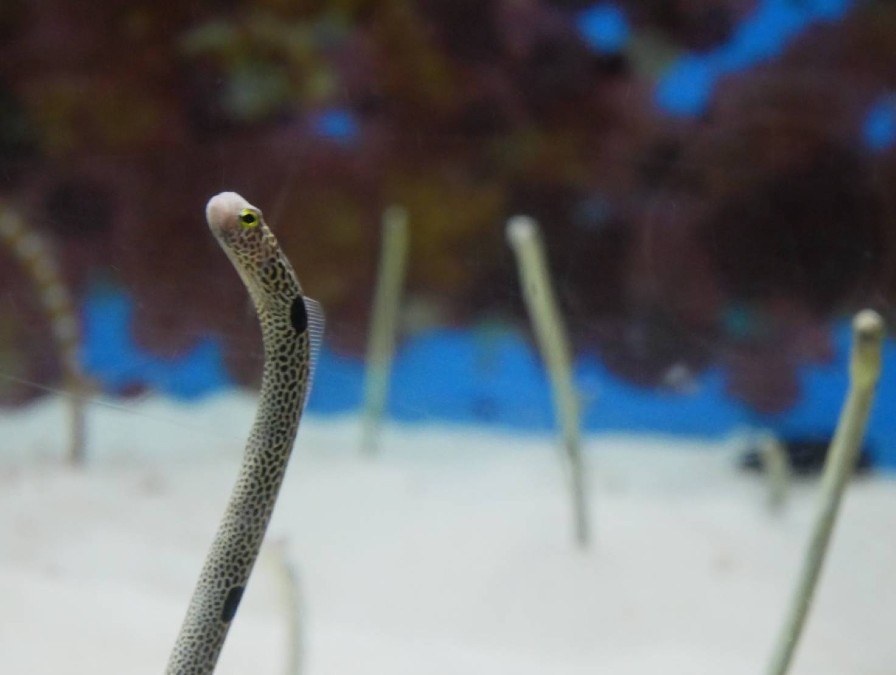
449, 554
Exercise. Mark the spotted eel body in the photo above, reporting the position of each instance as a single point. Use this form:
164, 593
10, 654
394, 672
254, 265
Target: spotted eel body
292, 329
38, 261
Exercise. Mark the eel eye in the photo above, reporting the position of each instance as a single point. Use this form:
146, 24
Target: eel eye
248, 218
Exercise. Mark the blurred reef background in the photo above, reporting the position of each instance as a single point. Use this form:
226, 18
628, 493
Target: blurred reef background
716, 182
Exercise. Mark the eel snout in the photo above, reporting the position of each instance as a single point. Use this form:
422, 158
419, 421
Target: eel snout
223, 212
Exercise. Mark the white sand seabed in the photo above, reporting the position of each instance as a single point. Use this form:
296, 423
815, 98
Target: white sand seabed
449, 554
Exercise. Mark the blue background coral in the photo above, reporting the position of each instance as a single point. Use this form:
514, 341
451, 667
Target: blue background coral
493, 378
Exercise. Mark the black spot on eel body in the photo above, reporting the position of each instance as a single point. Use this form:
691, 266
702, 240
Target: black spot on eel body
298, 315
231, 602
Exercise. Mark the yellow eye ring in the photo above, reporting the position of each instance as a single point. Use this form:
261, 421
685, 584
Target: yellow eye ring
249, 218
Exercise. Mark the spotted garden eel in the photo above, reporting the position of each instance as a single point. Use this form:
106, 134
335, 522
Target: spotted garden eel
292, 330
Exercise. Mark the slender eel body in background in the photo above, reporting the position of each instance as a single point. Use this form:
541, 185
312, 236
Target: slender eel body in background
524, 237
292, 330
865, 364
384, 324
38, 261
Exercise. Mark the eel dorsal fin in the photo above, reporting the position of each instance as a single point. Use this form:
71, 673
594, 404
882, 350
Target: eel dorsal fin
315, 329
